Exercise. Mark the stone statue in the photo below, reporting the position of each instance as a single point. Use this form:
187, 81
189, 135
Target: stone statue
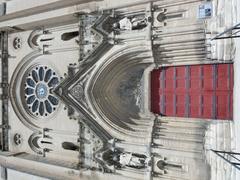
131, 23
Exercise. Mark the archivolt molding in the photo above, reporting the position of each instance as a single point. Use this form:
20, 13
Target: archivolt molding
15, 85
102, 98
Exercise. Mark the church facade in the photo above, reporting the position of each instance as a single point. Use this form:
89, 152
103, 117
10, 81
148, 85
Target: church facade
105, 89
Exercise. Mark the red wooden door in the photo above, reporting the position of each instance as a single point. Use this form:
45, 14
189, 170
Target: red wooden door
197, 91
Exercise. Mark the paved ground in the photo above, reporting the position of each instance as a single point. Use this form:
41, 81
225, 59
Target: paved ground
236, 99
226, 14
237, 78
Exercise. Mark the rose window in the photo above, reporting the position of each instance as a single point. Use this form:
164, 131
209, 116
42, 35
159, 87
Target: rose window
39, 85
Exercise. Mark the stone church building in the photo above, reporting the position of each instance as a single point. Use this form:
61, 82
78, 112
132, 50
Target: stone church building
124, 90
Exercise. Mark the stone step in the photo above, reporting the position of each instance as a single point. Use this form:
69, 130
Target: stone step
180, 136
196, 152
164, 152
180, 145
182, 119
187, 131
180, 124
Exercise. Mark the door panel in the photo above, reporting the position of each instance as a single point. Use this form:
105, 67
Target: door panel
198, 91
